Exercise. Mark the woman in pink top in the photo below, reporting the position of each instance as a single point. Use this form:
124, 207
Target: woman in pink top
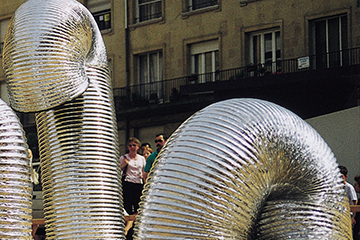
133, 183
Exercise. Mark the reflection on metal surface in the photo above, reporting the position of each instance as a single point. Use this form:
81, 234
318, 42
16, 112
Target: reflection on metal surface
15, 190
45, 53
80, 174
239, 169
56, 64
244, 169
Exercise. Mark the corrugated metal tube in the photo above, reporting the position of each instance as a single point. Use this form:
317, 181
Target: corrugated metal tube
80, 174
15, 183
56, 65
244, 169
46, 48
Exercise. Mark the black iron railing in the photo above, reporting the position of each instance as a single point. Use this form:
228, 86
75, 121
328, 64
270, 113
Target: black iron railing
169, 90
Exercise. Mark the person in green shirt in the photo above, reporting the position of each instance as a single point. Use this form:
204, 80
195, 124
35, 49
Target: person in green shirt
160, 140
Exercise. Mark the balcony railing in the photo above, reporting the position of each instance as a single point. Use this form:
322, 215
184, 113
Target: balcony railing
169, 90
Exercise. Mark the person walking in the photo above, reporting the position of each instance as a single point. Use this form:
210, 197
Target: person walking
132, 164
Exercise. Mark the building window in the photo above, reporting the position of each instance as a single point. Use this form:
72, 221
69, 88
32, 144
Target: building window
328, 40
3, 26
198, 4
204, 61
264, 51
101, 10
148, 9
150, 75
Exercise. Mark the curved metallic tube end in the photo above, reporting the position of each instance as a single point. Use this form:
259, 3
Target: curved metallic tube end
45, 54
244, 169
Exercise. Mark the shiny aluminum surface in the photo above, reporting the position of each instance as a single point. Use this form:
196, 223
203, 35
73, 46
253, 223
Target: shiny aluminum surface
15, 184
80, 174
238, 169
56, 64
244, 169
45, 53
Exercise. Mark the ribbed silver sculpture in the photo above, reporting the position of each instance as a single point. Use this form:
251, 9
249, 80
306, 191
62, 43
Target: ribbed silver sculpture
239, 169
56, 65
47, 47
244, 169
15, 183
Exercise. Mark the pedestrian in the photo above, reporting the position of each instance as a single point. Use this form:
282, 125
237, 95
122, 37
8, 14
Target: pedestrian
147, 152
350, 190
160, 140
132, 164
143, 147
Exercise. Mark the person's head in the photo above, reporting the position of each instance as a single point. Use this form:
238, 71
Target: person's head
357, 183
146, 153
344, 172
160, 140
144, 146
133, 145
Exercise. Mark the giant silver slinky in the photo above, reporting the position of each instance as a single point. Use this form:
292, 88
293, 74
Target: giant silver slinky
244, 169
15, 184
56, 65
238, 169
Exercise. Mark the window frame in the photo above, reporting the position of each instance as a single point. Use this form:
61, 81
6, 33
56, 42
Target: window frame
102, 13
187, 9
158, 16
207, 3
262, 63
148, 87
342, 42
198, 52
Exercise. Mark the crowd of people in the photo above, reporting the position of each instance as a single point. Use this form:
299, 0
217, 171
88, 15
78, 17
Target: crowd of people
136, 165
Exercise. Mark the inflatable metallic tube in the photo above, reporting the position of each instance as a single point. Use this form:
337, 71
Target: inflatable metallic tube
15, 190
244, 169
56, 65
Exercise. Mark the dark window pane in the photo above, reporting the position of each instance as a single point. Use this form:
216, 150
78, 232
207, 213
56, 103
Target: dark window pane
344, 38
148, 11
320, 44
334, 42
268, 47
196, 4
334, 35
103, 19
